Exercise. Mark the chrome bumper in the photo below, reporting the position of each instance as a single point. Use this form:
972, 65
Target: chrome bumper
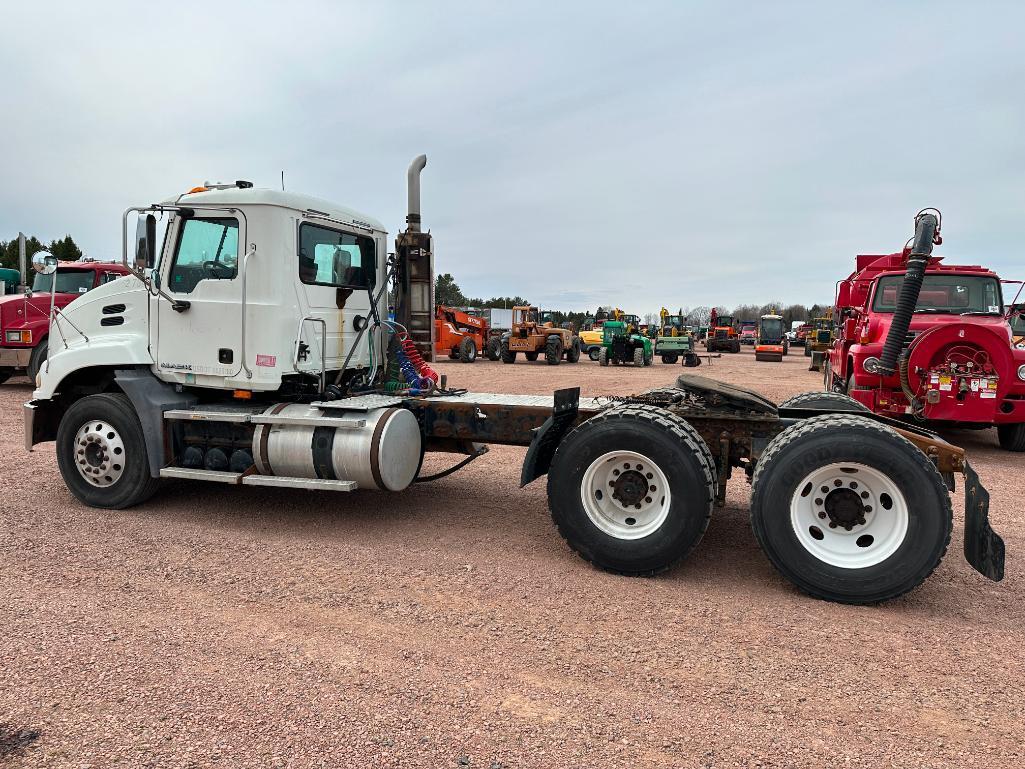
30, 419
15, 357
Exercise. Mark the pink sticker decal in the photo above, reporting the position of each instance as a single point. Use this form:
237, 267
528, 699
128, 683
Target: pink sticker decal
270, 361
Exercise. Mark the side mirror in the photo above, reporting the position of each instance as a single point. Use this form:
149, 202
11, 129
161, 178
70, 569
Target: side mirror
44, 262
145, 241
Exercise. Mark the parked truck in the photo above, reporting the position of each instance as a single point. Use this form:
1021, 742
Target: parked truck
25, 318
250, 350
922, 340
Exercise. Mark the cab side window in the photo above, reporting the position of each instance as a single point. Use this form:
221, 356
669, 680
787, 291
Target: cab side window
332, 258
207, 249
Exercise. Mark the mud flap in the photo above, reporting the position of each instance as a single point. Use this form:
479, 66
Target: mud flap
547, 437
983, 547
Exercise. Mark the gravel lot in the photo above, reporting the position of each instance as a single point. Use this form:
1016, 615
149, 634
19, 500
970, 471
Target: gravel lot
450, 626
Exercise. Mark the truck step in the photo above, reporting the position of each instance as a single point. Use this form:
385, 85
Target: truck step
243, 417
298, 483
287, 482
196, 474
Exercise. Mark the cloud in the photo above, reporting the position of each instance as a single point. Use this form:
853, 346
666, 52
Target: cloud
579, 154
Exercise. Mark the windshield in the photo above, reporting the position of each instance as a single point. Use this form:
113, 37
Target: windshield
954, 294
1018, 319
68, 282
772, 328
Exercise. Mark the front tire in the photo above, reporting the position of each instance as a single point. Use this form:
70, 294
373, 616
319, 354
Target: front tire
638, 356
493, 350
1011, 437
601, 497
507, 355
573, 352
848, 510
669, 357
101, 453
826, 401
467, 350
594, 353
553, 350
37, 360
603, 356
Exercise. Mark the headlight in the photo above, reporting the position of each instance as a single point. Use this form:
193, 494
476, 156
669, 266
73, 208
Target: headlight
1021, 373
18, 337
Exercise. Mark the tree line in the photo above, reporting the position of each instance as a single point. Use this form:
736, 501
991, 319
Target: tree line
448, 293
65, 249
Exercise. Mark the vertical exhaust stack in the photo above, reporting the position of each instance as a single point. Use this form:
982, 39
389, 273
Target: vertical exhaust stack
927, 233
414, 274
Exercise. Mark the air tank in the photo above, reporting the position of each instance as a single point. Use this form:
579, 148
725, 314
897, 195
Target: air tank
384, 454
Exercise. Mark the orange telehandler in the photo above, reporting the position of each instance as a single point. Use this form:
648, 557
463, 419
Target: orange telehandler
463, 336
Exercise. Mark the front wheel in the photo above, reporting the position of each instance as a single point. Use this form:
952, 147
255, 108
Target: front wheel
493, 350
573, 351
101, 453
669, 357
594, 353
825, 401
849, 510
603, 356
1011, 437
37, 360
631, 489
553, 350
467, 350
507, 355
639, 356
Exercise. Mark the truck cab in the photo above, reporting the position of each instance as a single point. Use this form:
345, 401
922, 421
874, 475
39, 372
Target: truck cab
25, 318
959, 362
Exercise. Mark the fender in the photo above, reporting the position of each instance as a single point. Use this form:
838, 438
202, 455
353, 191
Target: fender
549, 435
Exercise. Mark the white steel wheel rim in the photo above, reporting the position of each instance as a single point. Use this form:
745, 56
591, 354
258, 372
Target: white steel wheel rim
625, 495
99, 453
849, 515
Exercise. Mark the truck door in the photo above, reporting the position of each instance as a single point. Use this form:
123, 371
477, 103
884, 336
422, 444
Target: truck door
202, 268
336, 267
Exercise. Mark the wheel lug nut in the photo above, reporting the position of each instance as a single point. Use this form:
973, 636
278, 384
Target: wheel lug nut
615, 472
651, 488
638, 505
648, 500
822, 515
832, 525
649, 476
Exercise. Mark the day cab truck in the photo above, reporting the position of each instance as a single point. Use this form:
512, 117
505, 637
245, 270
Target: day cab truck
25, 318
922, 340
250, 350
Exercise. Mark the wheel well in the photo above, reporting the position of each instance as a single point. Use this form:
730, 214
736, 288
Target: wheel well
76, 385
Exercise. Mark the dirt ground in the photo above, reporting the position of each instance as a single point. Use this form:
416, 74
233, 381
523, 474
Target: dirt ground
451, 626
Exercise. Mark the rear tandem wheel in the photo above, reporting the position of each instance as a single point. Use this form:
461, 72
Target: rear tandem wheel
631, 489
849, 510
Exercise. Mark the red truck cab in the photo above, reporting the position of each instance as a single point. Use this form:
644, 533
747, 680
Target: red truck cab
25, 318
959, 365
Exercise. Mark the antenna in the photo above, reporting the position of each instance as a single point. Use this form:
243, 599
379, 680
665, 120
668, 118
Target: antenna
282, 181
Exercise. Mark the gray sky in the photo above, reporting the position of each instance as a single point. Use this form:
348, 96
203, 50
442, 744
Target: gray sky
635, 154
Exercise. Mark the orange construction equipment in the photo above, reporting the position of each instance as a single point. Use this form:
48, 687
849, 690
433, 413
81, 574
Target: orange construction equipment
463, 336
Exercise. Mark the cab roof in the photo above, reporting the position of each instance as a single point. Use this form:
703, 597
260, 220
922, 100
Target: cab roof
253, 196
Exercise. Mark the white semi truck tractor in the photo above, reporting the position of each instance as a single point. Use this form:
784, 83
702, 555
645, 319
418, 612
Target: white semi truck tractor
252, 347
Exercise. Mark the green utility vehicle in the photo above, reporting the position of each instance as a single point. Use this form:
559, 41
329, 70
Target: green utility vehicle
621, 345
675, 340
